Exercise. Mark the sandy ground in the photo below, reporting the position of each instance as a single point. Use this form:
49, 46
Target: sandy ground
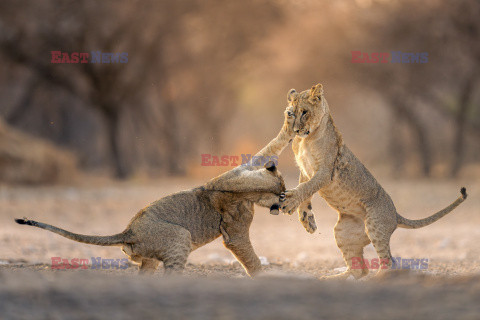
215, 285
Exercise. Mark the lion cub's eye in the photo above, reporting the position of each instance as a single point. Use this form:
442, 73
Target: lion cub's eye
304, 112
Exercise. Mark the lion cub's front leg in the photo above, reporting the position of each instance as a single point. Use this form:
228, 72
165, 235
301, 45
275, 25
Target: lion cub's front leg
293, 200
304, 191
235, 231
305, 214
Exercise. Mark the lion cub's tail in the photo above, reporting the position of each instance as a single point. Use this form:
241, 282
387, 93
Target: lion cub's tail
414, 224
115, 240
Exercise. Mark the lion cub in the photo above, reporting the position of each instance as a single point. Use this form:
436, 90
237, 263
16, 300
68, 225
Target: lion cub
172, 227
366, 213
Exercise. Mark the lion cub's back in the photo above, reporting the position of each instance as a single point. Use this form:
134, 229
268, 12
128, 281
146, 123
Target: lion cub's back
190, 209
357, 179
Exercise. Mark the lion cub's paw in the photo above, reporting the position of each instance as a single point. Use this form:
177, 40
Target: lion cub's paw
346, 275
307, 218
290, 200
288, 123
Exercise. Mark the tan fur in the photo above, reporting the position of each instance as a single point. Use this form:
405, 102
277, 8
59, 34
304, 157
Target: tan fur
172, 227
275, 147
366, 212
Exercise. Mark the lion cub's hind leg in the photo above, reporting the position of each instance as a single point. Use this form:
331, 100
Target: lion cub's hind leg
176, 246
148, 266
351, 238
380, 226
157, 242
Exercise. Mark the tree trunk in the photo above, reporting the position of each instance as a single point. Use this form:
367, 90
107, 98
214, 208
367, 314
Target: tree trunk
396, 148
460, 123
419, 131
121, 170
176, 153
22, 107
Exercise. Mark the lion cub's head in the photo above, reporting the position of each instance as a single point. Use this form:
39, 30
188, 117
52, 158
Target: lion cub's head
306, 110
246, 178
262, 185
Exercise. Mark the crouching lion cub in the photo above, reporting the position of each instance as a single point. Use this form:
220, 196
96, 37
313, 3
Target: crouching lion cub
172, 227
366, 212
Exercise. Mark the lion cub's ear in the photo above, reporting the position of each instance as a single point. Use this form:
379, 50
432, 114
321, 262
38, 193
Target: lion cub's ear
317, 91
270, 166
291, 95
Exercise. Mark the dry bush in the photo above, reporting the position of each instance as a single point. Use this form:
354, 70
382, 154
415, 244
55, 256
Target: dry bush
30, 160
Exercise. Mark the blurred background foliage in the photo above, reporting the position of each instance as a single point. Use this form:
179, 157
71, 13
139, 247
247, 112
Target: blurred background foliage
212, 76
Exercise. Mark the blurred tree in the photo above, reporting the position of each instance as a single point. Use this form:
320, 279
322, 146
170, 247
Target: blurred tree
181, 84
464, 34
450, 33
175, 90
315, 46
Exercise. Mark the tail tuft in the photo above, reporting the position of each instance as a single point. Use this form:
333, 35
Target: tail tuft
26, 221
463, 191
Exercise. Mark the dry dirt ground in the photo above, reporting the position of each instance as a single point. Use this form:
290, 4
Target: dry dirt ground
215, 286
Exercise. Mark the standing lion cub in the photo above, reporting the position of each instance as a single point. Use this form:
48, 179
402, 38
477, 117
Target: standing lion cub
365, 211
172, 227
